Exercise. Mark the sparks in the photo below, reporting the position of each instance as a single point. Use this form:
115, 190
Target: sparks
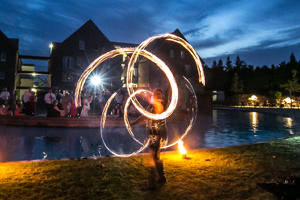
181, 148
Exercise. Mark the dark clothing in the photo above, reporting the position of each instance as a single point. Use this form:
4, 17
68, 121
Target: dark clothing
157, 134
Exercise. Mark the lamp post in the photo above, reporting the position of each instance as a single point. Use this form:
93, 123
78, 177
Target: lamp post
51, 47
95, 81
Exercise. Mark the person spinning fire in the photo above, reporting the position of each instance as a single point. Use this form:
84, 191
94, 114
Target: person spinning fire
158, 137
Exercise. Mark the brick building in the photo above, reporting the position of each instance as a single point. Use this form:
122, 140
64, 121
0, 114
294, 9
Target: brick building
9, 61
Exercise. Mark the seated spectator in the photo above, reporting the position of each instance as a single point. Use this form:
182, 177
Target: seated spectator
86, 105
118, 107
49, 99
4, 95
4, 109
67, 103
56, 111
26, 102
18, 109
73, 110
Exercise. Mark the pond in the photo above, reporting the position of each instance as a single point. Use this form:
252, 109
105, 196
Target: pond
221, 129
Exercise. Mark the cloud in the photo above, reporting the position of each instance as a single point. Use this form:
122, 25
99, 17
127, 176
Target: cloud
214, 28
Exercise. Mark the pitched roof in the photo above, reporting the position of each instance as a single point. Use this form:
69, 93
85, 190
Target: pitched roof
179, 34
89, 25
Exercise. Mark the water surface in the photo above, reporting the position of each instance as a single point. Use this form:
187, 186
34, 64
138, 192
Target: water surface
223, 128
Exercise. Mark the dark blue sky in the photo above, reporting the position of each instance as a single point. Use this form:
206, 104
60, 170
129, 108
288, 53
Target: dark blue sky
260, 31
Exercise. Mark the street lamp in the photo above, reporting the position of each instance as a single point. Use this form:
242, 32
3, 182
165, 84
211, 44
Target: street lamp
51, 47
96, 80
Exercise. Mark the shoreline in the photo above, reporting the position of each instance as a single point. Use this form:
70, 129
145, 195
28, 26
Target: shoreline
287, 112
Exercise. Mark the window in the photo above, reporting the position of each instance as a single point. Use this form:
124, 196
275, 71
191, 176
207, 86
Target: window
3, 56
67, 63
182, 54
81, 45
172, 53
2, 75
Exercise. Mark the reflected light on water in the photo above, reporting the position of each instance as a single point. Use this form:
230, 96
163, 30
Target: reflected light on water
289, 123
253, 120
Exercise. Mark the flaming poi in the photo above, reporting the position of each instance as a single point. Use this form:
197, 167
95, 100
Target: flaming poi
135, 53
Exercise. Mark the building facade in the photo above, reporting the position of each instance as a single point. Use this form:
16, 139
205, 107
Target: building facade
69, 58
9, 62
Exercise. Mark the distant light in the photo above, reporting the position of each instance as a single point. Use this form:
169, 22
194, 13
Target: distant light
34, 74
253, 98
288, 100
51, 45
96, 80
34, 90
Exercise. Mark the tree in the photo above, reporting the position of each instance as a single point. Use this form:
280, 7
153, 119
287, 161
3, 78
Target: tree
228, 64
292, 85
236, 84
292, 59
238, 63
214, 64
220, 65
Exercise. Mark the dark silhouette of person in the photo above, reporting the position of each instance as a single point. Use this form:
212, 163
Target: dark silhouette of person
157, 135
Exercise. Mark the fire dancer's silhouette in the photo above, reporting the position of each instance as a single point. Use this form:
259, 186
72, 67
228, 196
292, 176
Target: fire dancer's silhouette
158, 136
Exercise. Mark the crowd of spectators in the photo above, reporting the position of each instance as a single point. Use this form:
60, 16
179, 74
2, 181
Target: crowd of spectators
59, 104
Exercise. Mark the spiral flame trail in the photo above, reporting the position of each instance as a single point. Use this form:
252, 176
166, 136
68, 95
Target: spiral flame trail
140, 51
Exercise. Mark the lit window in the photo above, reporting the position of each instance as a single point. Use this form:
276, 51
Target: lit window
81, 45
3, 56
172, 54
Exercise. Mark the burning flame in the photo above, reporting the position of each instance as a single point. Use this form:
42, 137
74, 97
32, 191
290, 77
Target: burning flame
181, 148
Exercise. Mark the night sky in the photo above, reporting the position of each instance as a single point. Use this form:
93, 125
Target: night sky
260, 31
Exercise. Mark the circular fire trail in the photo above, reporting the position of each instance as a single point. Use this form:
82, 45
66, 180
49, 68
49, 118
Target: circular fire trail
135, 53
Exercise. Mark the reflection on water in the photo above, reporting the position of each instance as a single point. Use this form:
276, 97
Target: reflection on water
253, 120
223, 128
289, 124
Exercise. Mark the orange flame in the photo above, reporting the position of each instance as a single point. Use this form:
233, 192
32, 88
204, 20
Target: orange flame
181, 148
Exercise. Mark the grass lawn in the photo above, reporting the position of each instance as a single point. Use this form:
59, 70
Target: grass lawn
227, 173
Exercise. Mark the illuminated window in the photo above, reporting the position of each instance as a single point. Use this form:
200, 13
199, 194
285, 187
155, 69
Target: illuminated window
172, 53
81, 45
3, 56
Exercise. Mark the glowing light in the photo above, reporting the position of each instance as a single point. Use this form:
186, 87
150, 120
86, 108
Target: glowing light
181, 148
288, 100
253, 98
51, 45
96, 80
34, 90
140, 51
34, 74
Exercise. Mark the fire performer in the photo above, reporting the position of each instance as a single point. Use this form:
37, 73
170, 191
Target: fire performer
158, 135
